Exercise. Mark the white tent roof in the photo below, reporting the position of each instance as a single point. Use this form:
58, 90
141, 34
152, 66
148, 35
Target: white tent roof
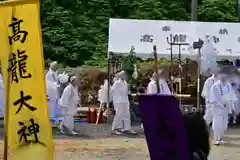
143, 34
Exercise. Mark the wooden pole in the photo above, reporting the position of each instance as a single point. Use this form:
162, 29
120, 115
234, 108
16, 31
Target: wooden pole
156, 67
6, 116
198, 79
6, 102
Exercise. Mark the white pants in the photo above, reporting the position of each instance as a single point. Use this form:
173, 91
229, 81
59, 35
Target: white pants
122, 117
68, 121
208, 114
220, 122
51, 106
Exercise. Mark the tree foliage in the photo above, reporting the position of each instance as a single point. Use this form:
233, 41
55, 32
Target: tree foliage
75, 32
218, 10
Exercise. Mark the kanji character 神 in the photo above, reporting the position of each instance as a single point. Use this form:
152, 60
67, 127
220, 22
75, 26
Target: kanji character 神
25, 131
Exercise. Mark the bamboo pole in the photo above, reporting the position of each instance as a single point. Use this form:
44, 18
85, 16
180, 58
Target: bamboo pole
156, 67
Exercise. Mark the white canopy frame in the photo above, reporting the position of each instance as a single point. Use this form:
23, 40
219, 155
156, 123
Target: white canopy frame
144, 34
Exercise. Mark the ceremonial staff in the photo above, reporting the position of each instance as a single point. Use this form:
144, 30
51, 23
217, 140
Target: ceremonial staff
156, 67
6, 106
198, 45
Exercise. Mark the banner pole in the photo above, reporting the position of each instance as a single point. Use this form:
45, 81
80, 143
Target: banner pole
6, 118
6, 106
198, 79
156, 67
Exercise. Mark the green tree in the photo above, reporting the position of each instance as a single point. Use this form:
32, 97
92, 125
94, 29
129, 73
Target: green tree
218, 11
75, 32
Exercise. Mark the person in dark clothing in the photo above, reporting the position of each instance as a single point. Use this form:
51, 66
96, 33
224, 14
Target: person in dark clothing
198, 137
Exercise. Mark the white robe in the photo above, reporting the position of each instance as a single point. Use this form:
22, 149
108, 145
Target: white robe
51, 76
152, 87
236, 88
1, 96
205, 94
52, 92
68, 103
219, 97
121, 105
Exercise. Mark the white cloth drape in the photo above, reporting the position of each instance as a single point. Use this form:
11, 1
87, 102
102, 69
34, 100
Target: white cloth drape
208, 56
103, 93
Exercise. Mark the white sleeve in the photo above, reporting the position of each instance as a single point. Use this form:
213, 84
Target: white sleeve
233, 93
166, 89
151, 88
49, 76
114, 86
64, 100
52, 90
204, 91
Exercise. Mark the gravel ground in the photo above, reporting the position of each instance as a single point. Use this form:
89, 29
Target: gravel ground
96, 143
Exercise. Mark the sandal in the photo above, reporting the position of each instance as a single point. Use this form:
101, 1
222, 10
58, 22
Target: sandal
116, 132
132, 132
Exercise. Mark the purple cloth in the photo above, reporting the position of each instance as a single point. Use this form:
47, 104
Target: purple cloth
163, 127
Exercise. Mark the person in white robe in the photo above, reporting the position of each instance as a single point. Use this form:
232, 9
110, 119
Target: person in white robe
68, 103
52, 72
152, 85
122, 120
1, 96
235, 80
52, 93
208, 116
220, 96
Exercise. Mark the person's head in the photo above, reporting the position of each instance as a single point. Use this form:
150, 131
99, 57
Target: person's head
222, 76
53, 65
197, 133
73, 80
154, 76
121, 75
161, 73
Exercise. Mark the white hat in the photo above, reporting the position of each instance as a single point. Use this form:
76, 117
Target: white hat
120, 74
52, 64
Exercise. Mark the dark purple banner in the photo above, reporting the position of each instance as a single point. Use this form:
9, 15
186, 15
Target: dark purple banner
163, 127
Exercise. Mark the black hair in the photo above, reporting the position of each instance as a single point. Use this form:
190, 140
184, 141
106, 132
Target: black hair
197, 133
69, 78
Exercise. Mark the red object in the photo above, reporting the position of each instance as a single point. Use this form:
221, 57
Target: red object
89, 116
94, 115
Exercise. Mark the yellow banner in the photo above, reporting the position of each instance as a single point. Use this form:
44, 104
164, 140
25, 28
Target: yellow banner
28, 126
